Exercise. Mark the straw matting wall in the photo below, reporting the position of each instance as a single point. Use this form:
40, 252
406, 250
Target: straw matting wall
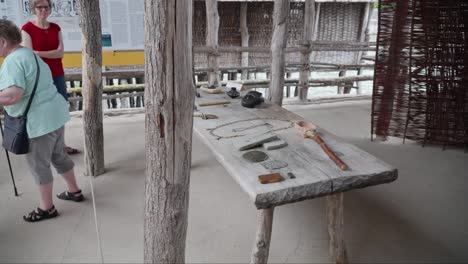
337, 22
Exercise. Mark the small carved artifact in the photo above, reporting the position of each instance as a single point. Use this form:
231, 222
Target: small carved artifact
255, 156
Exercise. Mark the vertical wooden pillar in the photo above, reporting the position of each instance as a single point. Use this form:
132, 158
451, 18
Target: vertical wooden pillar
212, 28
104, 83
346, 87
340, 88
317, 22
364, 26
309, 26
364, 36
123, 100
90, 24
278, 45
359, 90
113, 101
139, 99
244, 29
169, 100
334, 207
73, 104
261, 246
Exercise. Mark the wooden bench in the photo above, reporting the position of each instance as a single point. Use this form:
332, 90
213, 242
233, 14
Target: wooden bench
315, 174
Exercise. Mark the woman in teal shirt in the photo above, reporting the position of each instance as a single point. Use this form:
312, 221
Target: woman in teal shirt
45, 121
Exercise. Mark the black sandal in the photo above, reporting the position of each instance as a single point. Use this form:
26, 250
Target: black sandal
71, 196
39, 214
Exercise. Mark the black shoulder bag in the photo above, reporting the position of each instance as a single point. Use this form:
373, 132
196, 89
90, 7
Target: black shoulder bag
15, 138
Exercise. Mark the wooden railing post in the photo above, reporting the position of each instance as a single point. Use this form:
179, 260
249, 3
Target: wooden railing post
364, 36
212, 27
309, 26
244, 29
278, 45
340, 89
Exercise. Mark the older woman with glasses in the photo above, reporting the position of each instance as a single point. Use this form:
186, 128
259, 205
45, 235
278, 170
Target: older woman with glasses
46, 118
45, 39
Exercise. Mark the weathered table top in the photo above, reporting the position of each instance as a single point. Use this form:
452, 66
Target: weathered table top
315, 174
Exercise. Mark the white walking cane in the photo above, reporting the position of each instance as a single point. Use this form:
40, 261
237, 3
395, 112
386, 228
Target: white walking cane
96, 220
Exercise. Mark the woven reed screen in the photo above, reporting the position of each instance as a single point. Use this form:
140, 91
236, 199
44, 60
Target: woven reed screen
338, 21
229, 33
421, 76
259, 22
199, 32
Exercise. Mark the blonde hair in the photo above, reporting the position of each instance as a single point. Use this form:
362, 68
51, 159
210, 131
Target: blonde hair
32, 5
10, 32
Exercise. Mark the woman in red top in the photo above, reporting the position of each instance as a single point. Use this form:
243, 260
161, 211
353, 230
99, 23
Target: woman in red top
45, 39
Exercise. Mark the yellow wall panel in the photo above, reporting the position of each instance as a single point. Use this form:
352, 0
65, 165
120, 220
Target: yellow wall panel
109, 58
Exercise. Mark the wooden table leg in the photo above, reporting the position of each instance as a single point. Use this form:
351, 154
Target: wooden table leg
334, 206
262, 239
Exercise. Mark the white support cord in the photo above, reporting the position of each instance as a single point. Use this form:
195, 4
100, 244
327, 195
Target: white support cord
95, 219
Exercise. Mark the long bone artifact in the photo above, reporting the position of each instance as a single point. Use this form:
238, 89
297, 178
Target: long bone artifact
309, 130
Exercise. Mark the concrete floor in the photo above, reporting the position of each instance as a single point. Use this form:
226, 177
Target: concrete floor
421, 217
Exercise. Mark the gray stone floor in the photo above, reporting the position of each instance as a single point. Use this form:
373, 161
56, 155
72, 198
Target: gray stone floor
422, 217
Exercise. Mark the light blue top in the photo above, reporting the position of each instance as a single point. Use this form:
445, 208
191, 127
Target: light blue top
49, 110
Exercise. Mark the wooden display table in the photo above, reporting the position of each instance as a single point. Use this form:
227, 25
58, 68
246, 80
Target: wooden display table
309, 173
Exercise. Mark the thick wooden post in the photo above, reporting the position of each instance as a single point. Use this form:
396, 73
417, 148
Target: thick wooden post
90, 24
309, 26
334, 207
169, 100
244, 29
278, 44
261, 246
212, 27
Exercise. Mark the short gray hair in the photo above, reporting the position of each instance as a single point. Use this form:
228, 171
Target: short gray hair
32, 5
10, 32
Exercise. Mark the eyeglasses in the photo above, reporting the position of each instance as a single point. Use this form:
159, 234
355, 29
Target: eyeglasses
43, 7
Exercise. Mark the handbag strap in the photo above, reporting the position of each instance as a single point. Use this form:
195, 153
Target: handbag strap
35, 86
